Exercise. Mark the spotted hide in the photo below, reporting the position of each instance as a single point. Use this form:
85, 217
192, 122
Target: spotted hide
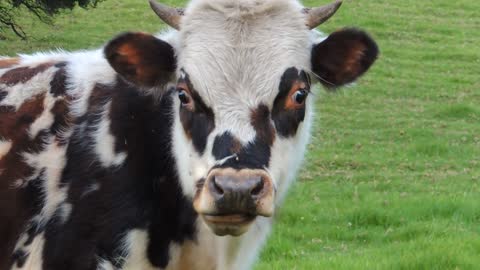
164, 152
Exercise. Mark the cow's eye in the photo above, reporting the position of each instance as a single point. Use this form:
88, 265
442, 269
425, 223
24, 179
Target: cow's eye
299, 96
183, 96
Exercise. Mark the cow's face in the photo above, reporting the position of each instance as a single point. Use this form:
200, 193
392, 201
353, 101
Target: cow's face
242, 109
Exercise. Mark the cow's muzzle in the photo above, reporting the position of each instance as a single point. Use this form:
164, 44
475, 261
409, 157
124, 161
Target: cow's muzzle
229, 200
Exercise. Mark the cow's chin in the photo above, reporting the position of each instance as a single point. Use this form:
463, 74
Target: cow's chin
229, 224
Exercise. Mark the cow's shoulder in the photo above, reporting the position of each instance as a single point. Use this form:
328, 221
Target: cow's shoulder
34, 112
42, 96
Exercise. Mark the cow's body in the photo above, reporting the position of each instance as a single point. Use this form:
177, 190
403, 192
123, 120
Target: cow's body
87, 176
146, 153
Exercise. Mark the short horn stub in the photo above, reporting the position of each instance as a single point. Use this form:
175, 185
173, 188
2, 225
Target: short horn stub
169, 15
319, 15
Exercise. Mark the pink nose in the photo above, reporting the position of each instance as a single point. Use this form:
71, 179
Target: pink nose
231, 186
239, 191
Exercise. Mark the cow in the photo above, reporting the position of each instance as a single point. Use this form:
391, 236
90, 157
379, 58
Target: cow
169, 151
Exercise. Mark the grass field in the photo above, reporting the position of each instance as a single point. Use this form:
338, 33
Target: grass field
392, 178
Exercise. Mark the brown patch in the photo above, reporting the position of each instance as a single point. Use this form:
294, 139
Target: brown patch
14, 208
9, 62
290, 103
14, 123
192, 256
23, 74
343, 57
236, 146
16, 205
141, 58
260, 120
131, 53
352, 64
14, 127
198, 189
286, 117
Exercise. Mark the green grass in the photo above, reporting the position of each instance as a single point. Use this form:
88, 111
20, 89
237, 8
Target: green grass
392, 178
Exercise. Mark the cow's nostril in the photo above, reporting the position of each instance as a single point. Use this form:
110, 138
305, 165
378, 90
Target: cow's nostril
217, 188
257, 189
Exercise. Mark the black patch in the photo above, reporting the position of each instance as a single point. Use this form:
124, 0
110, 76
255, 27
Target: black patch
3, 95
287, 120
34, 229
225, 145
7, 109
141, 58
59, 81
62, 121
261, 122
28, 203
199, 122
254, 155
36, 202
144, 193
20, 257
343, 57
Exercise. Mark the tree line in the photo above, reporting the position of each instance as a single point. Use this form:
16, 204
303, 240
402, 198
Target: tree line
43, 10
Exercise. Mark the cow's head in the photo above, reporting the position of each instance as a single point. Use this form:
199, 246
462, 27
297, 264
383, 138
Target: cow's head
242, 72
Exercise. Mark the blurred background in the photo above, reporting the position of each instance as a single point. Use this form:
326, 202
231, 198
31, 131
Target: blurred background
392, 176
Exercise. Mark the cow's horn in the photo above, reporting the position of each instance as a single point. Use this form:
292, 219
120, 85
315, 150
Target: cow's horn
169, 15
318, 15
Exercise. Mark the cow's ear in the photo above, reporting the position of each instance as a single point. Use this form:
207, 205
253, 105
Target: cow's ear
141, 58
343, 57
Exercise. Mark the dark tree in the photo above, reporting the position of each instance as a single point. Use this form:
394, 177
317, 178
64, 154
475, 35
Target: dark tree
44, 10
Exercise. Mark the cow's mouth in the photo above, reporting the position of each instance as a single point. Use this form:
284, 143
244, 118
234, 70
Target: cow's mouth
231, 224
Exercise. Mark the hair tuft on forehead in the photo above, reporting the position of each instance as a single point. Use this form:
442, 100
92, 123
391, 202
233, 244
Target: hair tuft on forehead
243, 8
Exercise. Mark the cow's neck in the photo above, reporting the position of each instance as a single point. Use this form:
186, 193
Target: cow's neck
200, 248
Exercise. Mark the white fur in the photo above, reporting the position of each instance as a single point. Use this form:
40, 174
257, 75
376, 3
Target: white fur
192, 167
46, 118
89, 68
92, 188
197, 254
235, 66
136, 244
235, 53
39, 84
105, 142
53, 160
43, 57
85, 69
34, 251
238, 253
5, 146
65, 211
105, 265
289, 153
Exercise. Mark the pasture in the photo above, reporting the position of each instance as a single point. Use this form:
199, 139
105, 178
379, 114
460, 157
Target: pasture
392, 177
